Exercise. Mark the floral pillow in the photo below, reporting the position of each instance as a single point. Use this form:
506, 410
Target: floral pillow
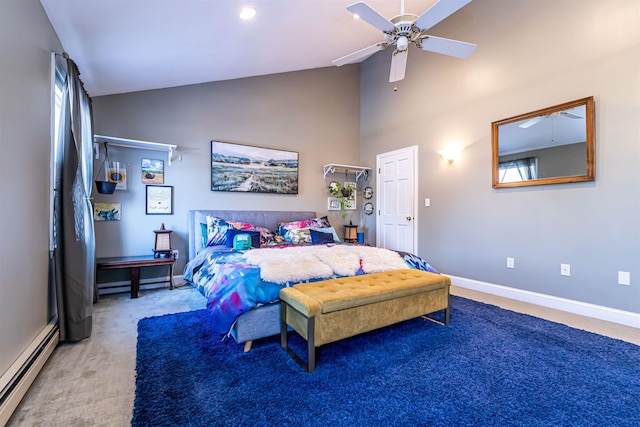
298, 231
266, 236
216, 231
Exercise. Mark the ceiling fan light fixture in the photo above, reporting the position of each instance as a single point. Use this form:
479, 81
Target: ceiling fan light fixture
248, 13
408, 28
402, 43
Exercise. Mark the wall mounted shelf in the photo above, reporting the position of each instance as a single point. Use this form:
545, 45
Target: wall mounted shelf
334, 168
134, 143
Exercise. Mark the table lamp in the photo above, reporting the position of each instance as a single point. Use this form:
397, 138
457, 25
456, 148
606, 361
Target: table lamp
351, 233
162, 248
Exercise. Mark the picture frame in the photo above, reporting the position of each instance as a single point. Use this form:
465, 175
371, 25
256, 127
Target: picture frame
159, 200
152, 171
107, 211
333, 204
350, 202
250, 169
117, 172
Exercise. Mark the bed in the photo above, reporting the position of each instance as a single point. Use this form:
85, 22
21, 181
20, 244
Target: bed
242, 287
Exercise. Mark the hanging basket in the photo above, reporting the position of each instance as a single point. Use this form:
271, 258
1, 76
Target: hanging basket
106, 187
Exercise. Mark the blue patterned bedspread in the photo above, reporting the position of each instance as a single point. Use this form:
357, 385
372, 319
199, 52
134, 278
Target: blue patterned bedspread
233, 287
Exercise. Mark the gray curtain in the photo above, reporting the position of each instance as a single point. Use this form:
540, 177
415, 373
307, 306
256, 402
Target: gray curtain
75, 240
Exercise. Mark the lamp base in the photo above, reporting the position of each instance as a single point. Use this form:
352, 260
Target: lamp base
162, 254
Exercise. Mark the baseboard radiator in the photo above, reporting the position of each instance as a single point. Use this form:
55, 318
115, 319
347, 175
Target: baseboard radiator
15, 383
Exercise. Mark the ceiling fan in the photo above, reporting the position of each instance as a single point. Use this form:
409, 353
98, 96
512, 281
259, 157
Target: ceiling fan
538, 119
408, 28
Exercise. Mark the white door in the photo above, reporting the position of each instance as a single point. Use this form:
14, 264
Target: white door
396, 187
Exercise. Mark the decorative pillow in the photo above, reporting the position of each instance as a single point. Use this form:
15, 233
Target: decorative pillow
329, 230
266, 236
203, 230
286, 229
320, 237
298, 236
231, 233
216, 231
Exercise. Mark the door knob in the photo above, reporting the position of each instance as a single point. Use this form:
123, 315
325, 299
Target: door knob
408, 218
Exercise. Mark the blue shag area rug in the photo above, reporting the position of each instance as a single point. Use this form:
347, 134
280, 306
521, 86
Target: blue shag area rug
489, 367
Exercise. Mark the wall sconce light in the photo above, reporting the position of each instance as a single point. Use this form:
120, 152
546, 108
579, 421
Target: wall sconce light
248, 13
450, 154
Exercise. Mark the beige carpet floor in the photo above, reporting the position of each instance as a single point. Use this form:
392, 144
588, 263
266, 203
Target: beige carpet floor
92, 383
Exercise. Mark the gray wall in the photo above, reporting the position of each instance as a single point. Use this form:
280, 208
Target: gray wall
26, 43
528, 57
563, 160
315, 113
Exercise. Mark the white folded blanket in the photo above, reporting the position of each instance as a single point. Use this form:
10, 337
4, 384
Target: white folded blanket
302, 263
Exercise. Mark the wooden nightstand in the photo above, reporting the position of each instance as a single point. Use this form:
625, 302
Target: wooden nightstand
134, 263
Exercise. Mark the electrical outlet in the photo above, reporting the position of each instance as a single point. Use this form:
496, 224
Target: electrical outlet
565, 269
510, 263
624, 278
176, 253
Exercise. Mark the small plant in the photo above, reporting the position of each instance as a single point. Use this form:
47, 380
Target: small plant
342, 193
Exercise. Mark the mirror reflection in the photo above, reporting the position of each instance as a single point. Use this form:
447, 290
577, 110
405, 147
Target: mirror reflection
549, 146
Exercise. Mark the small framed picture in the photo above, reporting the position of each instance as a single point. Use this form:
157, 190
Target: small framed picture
333, 204
152, 171
107, 211
350, 202
159, 200
117, 172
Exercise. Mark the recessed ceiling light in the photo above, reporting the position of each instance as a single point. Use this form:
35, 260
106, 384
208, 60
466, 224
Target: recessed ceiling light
248, 13
355, 16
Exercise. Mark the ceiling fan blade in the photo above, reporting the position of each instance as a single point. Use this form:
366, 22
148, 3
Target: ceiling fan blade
398, 65
438, 12
359, 54
447, 46
531, 122
570, 115
366, 13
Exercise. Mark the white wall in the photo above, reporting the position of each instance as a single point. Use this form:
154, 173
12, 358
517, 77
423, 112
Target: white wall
26, 43
530, 55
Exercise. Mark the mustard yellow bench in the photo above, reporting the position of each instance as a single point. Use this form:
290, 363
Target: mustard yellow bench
331, 310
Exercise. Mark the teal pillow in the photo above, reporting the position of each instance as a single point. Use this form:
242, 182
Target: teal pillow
203, 229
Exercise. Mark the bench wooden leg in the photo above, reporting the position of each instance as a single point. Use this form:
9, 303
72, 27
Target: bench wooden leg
310, 366
311, 348
247, 346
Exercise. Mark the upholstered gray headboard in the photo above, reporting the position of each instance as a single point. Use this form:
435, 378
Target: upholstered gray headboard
269, 219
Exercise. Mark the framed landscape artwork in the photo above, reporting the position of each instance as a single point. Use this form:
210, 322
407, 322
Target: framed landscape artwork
152, 171
244, 168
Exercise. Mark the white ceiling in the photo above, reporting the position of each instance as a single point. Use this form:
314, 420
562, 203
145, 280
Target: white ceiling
131, 45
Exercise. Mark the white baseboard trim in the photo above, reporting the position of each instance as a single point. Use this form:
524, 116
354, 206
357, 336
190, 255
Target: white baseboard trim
16, 381
585, 309
125, 286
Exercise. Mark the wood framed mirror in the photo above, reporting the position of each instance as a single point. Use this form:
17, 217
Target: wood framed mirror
553, 145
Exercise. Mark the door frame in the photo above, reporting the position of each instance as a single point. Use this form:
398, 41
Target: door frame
413, 150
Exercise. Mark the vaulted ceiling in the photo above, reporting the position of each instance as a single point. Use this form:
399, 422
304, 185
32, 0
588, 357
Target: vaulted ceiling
131, 45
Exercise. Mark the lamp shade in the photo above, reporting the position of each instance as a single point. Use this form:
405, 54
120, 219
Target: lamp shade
163, 241
351, 233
